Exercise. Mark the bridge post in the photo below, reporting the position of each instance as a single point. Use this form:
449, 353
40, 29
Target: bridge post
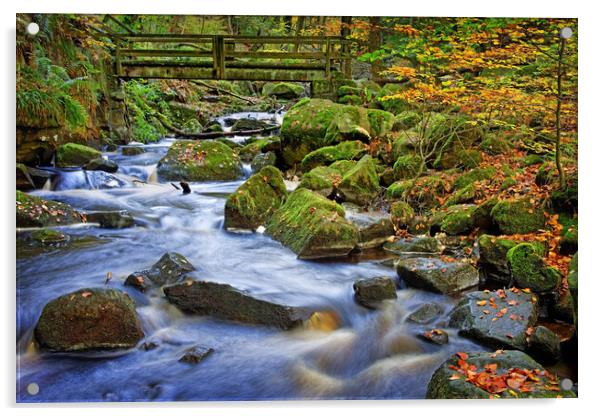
219, 57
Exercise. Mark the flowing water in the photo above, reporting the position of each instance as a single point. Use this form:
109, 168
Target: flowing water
373, 354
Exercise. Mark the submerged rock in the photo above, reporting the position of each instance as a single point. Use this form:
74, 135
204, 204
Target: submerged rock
370, 292
132, 150
435, 336
312, 226
425, 313
37, 212
255, 200
204, 160
89, 319
103, 164
170, 268
73, 154
111, 219
437, 275
529, 270
498, 319
48, 236
502, 373
226, 302
195, 355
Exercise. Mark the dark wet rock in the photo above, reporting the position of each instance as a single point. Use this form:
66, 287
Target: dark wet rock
312, 226
105, 165
245, 124
132, 150
170, 268
195, 354
544, 345
149, 346
502, 326
570, 241
348, 150
448, 383
282, 90
24, 180
226, 302
437, 275
435, 336
425, 314
262, 160
48, 236
89, 319
518, 217
529, 270
573, 277
360, 184
562, 308
255, 200
111, 219
492, 257
37, 212
414, 245
203, 160
72, 154
371, 291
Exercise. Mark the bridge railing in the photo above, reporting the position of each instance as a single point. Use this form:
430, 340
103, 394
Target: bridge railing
284, 58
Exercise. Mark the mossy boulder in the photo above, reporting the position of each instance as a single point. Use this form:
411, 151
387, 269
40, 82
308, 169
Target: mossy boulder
312, 226
401, 214
369, 292
493, 144
462, 196
450, 382
282, 90
349, 150
249, 124
325, 179
475, 175
33, 211
455, 220
48, 236
437, 275
205, 160
314, 123
492, 257
389, 102
73, 154
169, 269
226, 302
566, 200
89, 319
498, 319
529, 270
460, 158
360, 184
406, 120
255, 200
422, 194
262, 160
102, 164
255, 146
518, 216
407, 167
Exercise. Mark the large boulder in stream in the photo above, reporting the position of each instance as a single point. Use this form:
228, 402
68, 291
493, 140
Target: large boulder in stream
484, 375
529, 270
325, 179
350, 150
312, 226
440, 275
89, 319
255, 200
499, 319
314, 123
360, 184
33, 211
170, 268
226, 302
73, 154
369, 292
203, 160
111, 219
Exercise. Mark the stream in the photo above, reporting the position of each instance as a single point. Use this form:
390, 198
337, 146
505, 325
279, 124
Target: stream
373, 354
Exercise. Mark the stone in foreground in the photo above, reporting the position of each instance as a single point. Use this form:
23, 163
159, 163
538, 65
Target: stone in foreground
498, 319
312, 226
437, 275
37, 212
485, 375
73, 154
111, 219
255, 200
89, 319
226, 302
170, 268
371, 291
425, 313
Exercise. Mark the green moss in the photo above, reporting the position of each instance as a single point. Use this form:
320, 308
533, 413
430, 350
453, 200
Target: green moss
462, 196
37, 212
348, 90
407, 167
73, 154
255, 200
312, 226
573, 275
531, 160
381, 122
546, 174
204, 160
492, 256
349, 150
350, 100
321, 180
48, 236
253, 147
421, 194
518, 217
475, 175
404, 144
458, 220
458, 158
360, 184
401, 214
406, 120
530, 271
284, 90
507, 183
494, 144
